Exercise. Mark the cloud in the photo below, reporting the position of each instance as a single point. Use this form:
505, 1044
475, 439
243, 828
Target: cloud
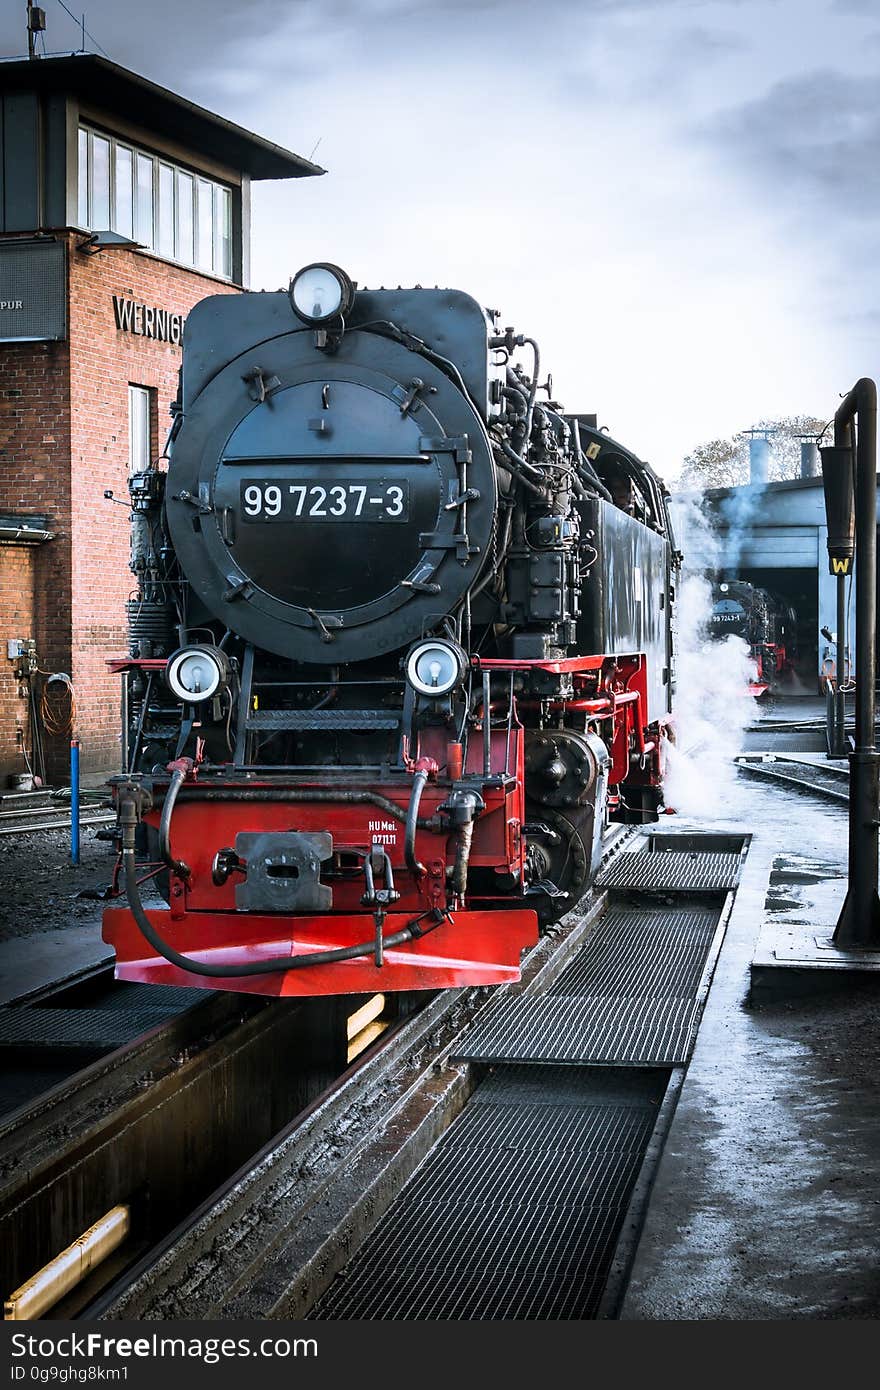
663, 191
813, 139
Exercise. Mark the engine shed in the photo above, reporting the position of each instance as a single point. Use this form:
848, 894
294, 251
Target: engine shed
122, 205
775, 535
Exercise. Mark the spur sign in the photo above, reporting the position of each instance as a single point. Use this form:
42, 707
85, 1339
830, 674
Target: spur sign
33, 290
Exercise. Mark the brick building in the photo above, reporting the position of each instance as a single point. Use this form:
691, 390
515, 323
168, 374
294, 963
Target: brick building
121, 206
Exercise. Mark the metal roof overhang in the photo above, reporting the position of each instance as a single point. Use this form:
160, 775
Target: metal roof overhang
116, 89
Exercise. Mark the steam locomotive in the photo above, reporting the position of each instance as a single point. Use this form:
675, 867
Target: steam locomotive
401, 645
768, 625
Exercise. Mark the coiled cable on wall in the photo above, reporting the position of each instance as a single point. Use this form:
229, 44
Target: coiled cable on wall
58, 715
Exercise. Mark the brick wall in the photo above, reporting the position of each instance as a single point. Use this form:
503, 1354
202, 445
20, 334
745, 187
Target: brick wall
63, 441
103, 362
34, 478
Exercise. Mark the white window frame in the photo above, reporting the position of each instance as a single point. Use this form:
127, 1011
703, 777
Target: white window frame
140, 424
219, 210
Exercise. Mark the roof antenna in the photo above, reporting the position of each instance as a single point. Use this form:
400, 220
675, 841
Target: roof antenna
36, 24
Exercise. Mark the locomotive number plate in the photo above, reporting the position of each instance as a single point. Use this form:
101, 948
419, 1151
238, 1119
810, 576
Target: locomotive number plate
357, 499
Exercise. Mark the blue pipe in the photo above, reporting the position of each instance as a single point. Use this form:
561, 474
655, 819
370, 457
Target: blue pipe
74, 801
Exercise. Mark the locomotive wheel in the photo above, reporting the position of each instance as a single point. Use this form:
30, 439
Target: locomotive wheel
559, 860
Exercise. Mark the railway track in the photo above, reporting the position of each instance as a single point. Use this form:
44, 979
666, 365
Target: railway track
49, 1034
26, 813
817, 779
202, 1081
254, 1162
31, 826
105, 1083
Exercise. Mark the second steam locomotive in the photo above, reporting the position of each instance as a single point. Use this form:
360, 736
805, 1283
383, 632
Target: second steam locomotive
762, 620
401, 645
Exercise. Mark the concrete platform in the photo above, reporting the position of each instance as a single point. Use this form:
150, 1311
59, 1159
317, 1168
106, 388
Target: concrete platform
797, 959
765, 1202
32, 962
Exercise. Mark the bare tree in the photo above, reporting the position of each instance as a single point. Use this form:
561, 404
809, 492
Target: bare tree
785, 443
718, 463
725, 462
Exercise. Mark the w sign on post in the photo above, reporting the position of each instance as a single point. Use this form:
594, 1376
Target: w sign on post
838, 479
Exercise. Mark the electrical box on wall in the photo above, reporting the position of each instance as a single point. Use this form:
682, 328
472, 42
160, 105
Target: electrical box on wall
15, 648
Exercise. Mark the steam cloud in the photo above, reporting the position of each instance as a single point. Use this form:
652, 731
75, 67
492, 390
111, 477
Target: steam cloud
712, 706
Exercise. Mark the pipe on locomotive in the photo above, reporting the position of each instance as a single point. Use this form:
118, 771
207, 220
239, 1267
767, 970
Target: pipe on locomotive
515, 466
425, 768
180, 770
128, 822
463, 842
344, 796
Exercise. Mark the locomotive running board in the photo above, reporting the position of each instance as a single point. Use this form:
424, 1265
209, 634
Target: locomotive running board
474, 948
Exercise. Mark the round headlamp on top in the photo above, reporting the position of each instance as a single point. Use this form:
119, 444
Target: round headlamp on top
435, 667
320, 293
197, 673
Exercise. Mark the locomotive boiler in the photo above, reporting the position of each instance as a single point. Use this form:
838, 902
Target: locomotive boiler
401, 645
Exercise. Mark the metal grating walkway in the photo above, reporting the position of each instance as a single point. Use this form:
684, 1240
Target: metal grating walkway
629, 997
652, 871
99, 1030
117, 1016
516, 1212
600, 1031
657, 953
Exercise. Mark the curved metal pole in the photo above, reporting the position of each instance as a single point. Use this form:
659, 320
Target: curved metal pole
858, 926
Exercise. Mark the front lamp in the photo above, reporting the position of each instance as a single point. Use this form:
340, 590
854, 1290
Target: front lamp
435, 667
196, 673
321, 292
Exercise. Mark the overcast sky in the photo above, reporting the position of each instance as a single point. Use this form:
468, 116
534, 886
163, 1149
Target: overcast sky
679, 198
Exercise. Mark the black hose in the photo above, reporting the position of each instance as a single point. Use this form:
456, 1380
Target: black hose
515, 466
384, 328
518, 395
412, 821
178, 777
533, 389
264, 967
530, 469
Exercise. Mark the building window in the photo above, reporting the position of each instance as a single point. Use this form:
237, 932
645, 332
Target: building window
205, 220
183, 241
83, 208
99, 182
165, 242
124, 219
139, 422
164, 207
143, 222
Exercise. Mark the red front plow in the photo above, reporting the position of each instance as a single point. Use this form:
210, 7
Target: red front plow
464, 948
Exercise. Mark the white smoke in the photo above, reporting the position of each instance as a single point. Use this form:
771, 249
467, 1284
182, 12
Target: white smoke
712, 703
737, 511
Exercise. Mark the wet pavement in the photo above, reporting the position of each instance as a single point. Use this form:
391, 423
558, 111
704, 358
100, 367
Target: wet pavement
790, 724
766, 1203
